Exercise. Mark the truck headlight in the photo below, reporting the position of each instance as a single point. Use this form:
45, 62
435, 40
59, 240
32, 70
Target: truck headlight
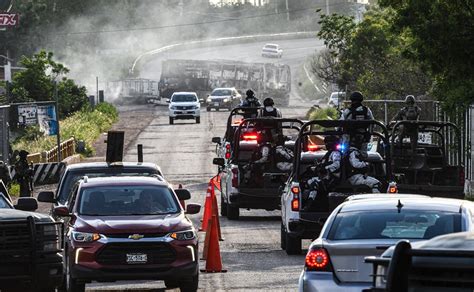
85, 237
183, 235
196, 107
208, 99
226, 100
381, 276
172, 107
51, 238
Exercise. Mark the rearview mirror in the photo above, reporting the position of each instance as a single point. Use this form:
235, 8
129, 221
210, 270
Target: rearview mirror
46, 197
27, 204
216, 140
183, 194
193, 209
218, 161
61, 211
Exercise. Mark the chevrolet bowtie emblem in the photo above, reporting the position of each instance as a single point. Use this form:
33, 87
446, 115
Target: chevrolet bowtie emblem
136, 236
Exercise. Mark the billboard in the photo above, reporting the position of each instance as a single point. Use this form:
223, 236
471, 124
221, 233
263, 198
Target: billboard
9, 19
27, 115
42, 115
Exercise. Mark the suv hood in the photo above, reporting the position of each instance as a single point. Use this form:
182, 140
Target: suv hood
220, 96
133, 224
13, 214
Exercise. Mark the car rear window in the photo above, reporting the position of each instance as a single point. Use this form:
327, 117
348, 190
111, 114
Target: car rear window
184, 98
408, 224
127, 200
74, 176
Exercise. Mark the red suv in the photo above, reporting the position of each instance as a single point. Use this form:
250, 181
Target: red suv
129, 228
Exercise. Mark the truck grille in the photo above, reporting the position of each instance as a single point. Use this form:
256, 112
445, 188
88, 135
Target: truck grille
184, 107
116, 253
14, 236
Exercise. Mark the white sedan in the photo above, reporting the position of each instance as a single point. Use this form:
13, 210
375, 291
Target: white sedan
367, 226
272, 50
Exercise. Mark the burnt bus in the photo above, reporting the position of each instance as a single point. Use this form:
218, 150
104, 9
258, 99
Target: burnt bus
202, 76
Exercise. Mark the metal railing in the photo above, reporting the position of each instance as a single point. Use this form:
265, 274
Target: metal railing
67, 148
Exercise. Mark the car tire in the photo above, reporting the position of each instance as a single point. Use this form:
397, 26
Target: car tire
71, 284
190, 285
171, 121
198, 120
171, 284
223, 206
217, 109
292, 245
283, 237
208, 109
233, 212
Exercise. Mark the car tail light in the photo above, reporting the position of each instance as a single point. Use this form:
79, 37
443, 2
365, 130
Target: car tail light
250, 137
235, 177
317, 259
295, 202
313, 147
462, 176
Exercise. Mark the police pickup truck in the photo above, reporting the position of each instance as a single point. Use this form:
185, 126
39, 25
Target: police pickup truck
300, 222
30, 248
244, 183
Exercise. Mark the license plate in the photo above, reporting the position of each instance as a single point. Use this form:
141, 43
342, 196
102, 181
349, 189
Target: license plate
137, 258
216, 104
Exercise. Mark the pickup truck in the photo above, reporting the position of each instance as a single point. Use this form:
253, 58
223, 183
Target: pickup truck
30, 247
262, 191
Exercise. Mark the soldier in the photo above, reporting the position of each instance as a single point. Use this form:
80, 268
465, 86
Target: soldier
251, 100
5, 173
23, 174
268, 109
410, 112
283, 155
358, 169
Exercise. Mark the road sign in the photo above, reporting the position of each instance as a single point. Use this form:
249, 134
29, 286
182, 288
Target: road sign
9, 19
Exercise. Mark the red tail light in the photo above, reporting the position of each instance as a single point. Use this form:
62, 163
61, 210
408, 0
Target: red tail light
227, 155
295, 202
462, 176
227, 151
235, 177
313, 147
250, 137
317, 260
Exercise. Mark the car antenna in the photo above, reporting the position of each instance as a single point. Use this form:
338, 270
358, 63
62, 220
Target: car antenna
399, 206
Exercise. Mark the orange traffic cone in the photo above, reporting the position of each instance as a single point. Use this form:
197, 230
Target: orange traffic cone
207, 208
213, 254
207, 240
215, 212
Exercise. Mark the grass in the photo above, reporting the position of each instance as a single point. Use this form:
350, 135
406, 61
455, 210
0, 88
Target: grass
306, 88
86, 125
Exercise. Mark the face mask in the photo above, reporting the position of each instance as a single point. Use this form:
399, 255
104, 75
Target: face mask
269, 108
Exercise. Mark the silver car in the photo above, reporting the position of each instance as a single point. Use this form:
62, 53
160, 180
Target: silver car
367, 226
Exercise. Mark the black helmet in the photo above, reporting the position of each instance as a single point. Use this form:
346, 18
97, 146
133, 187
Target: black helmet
356, 96
410, 100
250, 93
268, 101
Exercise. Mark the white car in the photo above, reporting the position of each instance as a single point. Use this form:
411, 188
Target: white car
223, 98
335, 98
184, 105
272, 50
364, 227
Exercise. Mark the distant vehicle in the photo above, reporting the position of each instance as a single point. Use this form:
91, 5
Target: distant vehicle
129, 229
30, 248
300, 223
184, 106
203, 76
226, 98
272, 50
335, 99
443, 263
74, 172
260, 190
366, 227
132, 91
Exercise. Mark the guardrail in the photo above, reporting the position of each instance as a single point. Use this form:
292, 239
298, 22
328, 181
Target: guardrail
67, 148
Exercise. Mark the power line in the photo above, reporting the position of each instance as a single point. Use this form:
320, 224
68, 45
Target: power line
197, 23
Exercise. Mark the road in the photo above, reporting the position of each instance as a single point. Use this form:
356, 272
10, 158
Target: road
251, 250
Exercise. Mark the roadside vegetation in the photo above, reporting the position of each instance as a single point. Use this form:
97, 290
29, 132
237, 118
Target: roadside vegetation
317, 113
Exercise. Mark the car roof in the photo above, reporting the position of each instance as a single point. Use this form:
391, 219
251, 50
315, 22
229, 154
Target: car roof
102, 165
185, 92
385, 202
380, 196
122, 181
224, 88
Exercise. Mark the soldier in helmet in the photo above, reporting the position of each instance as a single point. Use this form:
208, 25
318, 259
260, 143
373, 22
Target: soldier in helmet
5, 173
269, 109
410, 112
251, 100
23, 174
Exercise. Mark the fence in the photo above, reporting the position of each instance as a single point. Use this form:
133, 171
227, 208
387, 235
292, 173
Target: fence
67, 148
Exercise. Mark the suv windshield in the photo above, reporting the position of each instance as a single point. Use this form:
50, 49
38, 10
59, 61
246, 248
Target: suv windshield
183, 98
127, 200
273, 47
408, 224
221, 92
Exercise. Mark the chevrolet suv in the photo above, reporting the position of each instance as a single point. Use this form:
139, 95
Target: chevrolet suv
129, 228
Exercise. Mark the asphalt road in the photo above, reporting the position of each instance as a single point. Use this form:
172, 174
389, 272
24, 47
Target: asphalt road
251, 250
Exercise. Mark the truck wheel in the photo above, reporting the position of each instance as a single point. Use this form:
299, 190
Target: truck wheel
232, 212
293, 244
283, 237
71, 284
171, 284
198, 120
171, 121
223, 206
208, 109
217, 109
190, 285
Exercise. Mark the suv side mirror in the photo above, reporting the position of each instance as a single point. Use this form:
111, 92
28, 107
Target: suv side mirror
183, 194
27, 204
218, 161
193, 209
201, 100
61, 211
46, 197
216, 140
168, 100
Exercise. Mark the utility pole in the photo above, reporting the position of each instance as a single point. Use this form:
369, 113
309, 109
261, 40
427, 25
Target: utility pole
327, 7
288, 11
58, 136
97, 90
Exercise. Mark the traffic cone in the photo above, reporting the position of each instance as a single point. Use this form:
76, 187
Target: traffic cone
206, 240
215, 212
207, 208
213, 254
216, 181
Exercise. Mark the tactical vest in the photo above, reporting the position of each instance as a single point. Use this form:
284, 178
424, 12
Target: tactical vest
325, 161
280, 158
350, 170
411, 113
273, 113
359, 115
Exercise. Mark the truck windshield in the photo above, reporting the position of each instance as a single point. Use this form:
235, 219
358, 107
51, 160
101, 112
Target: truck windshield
127, 200
183, 98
